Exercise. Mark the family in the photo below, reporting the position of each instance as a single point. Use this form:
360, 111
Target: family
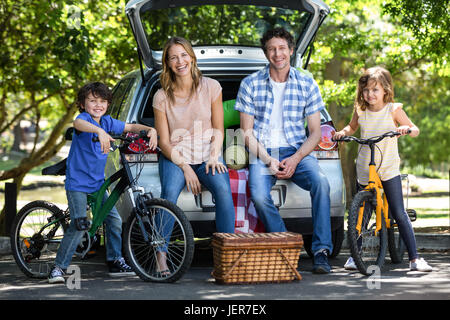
274, 104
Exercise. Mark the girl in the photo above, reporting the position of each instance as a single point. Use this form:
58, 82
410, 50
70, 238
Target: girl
189, 119
376, 113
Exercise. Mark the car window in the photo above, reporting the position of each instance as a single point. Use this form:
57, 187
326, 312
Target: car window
120, 94
125, 106
220, 24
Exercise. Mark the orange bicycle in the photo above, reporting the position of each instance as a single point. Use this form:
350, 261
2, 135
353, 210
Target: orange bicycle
369, 222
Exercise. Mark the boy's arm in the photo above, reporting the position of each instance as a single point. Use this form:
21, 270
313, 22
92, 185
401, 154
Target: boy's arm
151, 132
104, 138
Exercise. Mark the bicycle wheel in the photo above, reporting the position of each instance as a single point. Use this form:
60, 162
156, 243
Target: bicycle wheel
396, 244
35, 237
367, 249
168, 230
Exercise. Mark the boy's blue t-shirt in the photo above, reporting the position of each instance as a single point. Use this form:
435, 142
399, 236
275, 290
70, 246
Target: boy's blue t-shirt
86, 163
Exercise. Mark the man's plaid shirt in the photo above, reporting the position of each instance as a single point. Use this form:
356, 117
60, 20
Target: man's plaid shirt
302, 98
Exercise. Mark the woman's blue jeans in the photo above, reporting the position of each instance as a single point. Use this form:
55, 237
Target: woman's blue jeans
72, 237
308, 176
173, 182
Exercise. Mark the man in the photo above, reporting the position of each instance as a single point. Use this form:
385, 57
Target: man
273, 104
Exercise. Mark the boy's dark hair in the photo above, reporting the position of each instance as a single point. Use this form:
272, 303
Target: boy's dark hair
277, 33
98, 89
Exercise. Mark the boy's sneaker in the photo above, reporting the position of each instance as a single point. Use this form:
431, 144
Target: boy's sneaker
119, 268
321, 265
420, 265
350, 264
56, 275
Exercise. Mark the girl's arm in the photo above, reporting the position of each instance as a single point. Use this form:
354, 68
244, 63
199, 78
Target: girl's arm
405, 123
350, 128
151, 133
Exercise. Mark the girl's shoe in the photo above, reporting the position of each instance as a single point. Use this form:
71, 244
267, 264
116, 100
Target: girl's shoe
420, 265
350, 264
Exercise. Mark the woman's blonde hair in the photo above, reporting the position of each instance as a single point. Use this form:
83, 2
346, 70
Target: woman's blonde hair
167, 77
381, 76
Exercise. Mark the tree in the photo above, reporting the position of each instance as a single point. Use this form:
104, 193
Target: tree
412, 43
49, 49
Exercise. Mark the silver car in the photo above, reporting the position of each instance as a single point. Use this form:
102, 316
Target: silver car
227, 46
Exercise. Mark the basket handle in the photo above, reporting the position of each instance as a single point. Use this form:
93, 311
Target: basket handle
232, 267
297, 275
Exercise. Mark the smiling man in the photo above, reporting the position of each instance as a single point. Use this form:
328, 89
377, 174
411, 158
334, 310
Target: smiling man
274, 104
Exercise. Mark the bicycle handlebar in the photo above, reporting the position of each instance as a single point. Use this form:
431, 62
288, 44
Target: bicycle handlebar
142, 135
371, 140
129, 140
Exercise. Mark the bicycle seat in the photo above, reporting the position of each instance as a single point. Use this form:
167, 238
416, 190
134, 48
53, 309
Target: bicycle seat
58, 169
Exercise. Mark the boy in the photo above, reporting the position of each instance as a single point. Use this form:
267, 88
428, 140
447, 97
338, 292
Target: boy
85, 174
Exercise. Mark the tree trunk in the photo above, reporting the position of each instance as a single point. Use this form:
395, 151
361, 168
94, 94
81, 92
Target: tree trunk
347, 151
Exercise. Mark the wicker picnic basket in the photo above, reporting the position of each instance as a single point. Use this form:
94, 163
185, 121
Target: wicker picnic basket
256, 257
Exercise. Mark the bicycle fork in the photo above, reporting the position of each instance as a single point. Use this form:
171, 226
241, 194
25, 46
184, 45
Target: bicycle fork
379, 202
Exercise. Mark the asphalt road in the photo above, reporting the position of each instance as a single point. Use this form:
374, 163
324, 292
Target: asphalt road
395, 282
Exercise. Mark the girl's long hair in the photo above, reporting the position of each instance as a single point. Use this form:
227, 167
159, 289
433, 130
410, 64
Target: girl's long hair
381, 76
167, 77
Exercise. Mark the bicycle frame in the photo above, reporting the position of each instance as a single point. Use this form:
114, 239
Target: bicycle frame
376, 186
101, 210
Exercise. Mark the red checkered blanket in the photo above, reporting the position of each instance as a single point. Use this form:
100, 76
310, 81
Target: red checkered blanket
246, 217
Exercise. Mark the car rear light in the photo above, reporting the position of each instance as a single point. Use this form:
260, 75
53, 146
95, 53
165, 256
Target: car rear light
327, 148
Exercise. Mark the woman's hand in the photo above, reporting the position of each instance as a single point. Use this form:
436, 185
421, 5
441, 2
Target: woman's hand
192, 183
153, 142
215, 164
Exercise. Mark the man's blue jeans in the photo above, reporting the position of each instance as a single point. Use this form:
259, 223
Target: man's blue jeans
173, 182
72, 237
308, 176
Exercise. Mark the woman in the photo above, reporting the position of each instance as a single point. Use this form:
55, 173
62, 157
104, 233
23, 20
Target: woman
189, 120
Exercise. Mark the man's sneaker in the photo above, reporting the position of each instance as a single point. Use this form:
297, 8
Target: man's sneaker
350, 264
119, 268
420, 265
321, 264
56, 275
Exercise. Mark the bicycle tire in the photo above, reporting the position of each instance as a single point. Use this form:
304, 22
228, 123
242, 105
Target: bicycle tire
396, 245
180, 247
34, 248
372, 249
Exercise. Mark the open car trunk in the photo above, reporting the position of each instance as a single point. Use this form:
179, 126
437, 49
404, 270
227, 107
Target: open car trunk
223, 33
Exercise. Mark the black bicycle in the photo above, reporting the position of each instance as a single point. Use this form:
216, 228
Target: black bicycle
154, 226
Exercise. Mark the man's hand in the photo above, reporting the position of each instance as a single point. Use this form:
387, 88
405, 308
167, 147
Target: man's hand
274, 166
288, 167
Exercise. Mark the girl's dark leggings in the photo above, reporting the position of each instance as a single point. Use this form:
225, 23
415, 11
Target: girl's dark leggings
393, 190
